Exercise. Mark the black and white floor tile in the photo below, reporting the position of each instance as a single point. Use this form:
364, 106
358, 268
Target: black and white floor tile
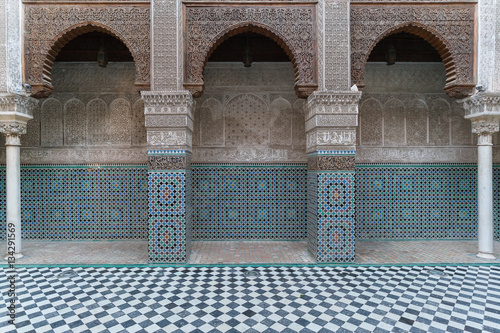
278, 299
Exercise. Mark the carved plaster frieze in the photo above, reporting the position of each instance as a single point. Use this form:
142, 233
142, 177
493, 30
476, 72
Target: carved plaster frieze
169, 120
168, 103
330, 138
247, 155
330, 163
291, 26
48, 27
417, 155
329, 120
80, 156
448, 28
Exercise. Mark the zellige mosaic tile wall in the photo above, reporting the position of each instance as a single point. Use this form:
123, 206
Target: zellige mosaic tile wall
81, 202
249, 202
419, 202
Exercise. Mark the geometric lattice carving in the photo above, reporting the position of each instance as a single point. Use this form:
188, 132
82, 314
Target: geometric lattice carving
291, 26
97, 122
74, 123
52, 123
139, 129
448, 28
119, 122
281, 129
247, 121
211, 116
49, 27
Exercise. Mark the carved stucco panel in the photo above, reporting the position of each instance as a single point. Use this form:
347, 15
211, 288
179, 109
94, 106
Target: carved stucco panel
246, 122
416, 123
439, 122
138, 127
167, 138
97, 122
119, 119
394, 123
14, 45
75, 129
281, 126
3, 47
47, 26
32, 136
336, 45
211, 116
371, 122
52, 123
298, 124
487, 25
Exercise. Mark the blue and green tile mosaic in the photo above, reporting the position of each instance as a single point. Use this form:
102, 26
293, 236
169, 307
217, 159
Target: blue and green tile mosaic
331, 226
419, 202
81, 202
249, 202
170, 215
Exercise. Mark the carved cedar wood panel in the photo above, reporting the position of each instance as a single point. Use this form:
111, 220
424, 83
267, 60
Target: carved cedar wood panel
292, 27
449, 28
50, 27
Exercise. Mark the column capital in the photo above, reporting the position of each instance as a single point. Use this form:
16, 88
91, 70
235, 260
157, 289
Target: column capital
331, 120
484, 127
168, 102
15, 111
482, 104
169, 119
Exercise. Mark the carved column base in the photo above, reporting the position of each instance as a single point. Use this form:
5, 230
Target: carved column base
169, 205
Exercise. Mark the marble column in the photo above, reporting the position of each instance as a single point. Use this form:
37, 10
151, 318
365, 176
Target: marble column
169, 124
331, 120
15, 111
483, 109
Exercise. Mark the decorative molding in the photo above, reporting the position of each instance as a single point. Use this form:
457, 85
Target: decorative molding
291, 26
168, 102
168, 162
448, 28
49, 27
330, 163
71, 156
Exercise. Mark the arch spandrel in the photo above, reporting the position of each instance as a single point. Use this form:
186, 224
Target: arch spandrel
448, 28
49, 28
292, 27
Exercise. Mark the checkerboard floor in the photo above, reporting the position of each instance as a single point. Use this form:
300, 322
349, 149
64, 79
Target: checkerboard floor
279, 299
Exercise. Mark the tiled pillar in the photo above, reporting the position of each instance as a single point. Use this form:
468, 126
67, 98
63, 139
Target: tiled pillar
169, 124
483, 109
15, 111
331, 120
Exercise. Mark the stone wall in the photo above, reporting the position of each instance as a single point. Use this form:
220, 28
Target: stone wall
94, 115
405, 116
249, 115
